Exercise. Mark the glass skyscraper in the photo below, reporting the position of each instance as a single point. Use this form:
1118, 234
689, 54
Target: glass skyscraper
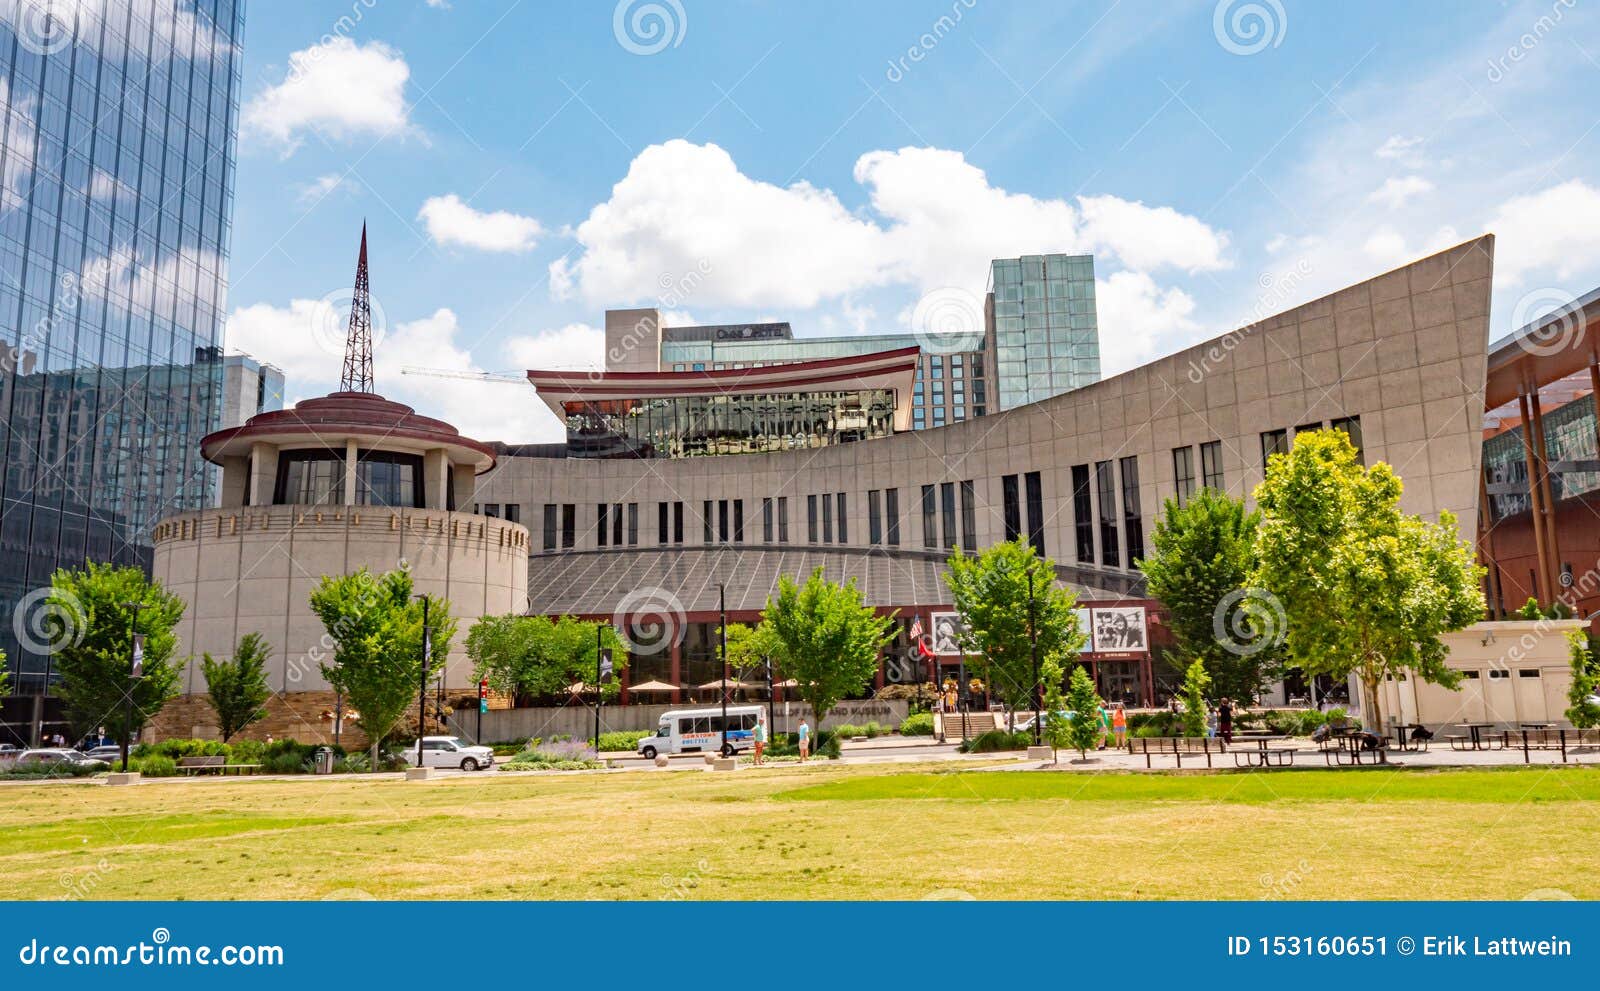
1046, 338
119, 126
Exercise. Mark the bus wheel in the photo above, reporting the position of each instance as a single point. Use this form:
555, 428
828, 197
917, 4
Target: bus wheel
649, 753
729, 750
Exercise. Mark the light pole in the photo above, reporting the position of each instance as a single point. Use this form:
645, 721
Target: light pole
1033, 646
422, 691
722, 610
135, 672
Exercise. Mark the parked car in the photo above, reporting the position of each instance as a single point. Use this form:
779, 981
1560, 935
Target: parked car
9, 752
111, 754
59, 755
451, 751
1026, 725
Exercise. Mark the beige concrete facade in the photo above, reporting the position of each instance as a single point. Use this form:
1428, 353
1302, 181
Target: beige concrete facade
1403, 352
252, 570
1515, 672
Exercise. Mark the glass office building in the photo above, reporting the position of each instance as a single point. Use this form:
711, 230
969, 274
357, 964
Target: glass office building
116, 175
1046, 337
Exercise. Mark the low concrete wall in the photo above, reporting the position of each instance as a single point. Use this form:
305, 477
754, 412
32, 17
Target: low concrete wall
578, 721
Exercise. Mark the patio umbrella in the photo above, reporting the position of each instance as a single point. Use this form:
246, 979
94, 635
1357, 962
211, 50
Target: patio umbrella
578, 688
653, 686
725, 683
789, 683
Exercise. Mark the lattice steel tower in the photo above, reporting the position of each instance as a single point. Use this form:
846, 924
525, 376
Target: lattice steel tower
358, 343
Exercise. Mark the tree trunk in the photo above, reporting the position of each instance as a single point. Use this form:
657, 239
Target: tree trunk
1371, 684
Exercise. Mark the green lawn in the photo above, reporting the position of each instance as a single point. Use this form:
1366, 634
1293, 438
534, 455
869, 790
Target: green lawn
821, 832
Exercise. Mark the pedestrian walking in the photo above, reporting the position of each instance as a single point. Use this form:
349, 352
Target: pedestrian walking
1119, 725
1211, 723
760, 736
1225, 720
804, 735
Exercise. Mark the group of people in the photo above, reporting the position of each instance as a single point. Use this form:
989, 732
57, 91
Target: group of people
759, 738
1219, 717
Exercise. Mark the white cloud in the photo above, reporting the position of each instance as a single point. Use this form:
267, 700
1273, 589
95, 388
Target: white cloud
1398, 148
1554, 231
577, 347
324, 186
1396, 191
337, 88
439, 4
450, 221
1140, 321
935, 221
1385, 247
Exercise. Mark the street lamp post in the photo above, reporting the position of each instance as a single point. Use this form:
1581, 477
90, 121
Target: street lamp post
135, 672
422, 692
722, 610
1033, 646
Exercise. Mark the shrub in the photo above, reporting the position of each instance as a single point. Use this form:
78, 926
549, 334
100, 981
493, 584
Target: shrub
285, 763
996, 740
623, 739
52, 771
155, 766
180, 748
563, 755
848, 730
352, 764
874, 730
919, 724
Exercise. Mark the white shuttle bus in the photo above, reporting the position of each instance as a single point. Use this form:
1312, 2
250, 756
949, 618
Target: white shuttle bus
691, 731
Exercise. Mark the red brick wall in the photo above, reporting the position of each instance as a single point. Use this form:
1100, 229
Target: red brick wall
1510, 547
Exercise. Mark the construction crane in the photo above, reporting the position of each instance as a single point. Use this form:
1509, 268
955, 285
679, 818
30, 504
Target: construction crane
498, 378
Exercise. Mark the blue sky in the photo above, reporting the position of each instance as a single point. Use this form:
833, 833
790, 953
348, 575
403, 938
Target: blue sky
525, 166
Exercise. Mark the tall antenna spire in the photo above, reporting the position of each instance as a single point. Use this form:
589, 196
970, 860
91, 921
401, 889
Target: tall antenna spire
358, 343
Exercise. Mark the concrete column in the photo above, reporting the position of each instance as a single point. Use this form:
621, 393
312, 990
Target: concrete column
1540, 589
436, 476
676, 671
350, 454
263, 473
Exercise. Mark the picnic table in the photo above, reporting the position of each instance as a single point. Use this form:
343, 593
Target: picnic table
1474, 739
1350, 748
1255, 750
1402, 737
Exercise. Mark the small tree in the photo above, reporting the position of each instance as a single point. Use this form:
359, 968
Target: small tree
823, 636
237, 688
1057, 730
1204, 551
376, 629
90, 625
1084, 727
991, 592
1363, 587
1584, 712
537, 655
1196, 686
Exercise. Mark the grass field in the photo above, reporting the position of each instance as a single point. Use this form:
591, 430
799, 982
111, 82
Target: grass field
826, 832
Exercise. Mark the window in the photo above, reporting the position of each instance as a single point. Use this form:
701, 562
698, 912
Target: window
874, 518
513, 512
1528, 673
384, 479
1308, 426
677, 523
1211, 465
549, 526
738, 521
811, 518
947, 514
600, 523
1132, 518
569, 524
633, 524
661, 523
766, 521
1011, 501
1273, 442
722, 520
1351, 426
1082, 514
969, 516
930, 518
783, 519
1495, 674
706, 521
891, 509
1183, 473
1034, 490
844, 533
309, 478
616, 525
1470, 675
827, 519
1106, 485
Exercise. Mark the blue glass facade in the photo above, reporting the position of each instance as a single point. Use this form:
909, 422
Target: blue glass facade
119, 126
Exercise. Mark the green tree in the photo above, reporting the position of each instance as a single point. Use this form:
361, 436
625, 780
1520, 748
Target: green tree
90, 625
1363, 587
821, 635
1584, 712
1196, 687
1204, 552
1057, 731
1085, 727
5, 675
538, 655
991, 592
375, 627
237, 688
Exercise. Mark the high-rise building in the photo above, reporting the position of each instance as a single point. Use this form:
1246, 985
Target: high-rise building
1040, 314
116, 174
249, 386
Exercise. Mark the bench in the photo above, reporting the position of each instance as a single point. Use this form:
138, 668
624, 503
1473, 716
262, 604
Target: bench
1351, 751
1265, 757
1178, 747
214, 763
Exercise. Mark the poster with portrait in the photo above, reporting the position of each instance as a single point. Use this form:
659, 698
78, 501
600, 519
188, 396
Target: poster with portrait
1119, 630
1086, 629
948, 631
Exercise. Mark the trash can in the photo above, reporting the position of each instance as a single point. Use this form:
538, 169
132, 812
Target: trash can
324, 761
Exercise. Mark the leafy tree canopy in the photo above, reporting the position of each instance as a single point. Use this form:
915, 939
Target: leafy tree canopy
824, 637
1085, 727
537, 655
991, 592
1583, 713
237, 687
1364, 588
